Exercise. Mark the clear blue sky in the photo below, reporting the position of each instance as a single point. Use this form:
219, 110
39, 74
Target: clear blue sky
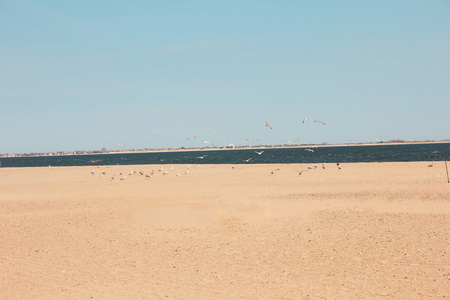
83, 75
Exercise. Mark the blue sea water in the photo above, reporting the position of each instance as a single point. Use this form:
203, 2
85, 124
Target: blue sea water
342, 154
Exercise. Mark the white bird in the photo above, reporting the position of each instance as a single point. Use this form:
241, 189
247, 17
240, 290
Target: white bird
206, 142
92, 172
202, 157
304, 120
247, 160
338, 165
290, 142
121, 145
319, 122
232, 146
310, 150
124, 177
191, 137
259, 153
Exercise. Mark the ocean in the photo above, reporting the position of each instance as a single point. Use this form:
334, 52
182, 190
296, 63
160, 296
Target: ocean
322, 154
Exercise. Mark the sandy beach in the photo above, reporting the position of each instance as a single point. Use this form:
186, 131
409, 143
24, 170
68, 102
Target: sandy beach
366, 231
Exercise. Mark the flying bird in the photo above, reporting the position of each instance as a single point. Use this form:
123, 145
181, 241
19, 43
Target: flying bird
304, 120
191, 137
202, 157
310, 150
319, 122
120, 145
247, 160
259, 153
267, 124
300, 172
291, 142
94, 162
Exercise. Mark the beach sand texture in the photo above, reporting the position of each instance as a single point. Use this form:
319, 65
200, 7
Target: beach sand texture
368, 230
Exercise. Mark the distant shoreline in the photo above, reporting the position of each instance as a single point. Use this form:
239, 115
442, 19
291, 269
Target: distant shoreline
217, 148
273, 147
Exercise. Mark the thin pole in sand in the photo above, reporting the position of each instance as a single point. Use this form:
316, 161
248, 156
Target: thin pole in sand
445, 159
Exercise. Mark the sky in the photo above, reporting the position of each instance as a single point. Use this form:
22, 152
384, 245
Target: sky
122, 75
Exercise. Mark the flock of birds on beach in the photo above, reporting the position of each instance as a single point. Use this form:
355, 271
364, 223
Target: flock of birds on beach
147, 175
162, 171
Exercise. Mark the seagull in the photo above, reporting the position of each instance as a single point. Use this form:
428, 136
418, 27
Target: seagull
431, 165
310, 150
259, 153
300, 172
319, 122
191, 137
124, 177
120, 144
92, 172
290, 142
304, 120
267, 124
202, 157
247, 160
232, 146
323, 166
94, 162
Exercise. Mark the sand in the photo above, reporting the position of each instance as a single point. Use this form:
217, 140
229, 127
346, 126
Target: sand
368, 230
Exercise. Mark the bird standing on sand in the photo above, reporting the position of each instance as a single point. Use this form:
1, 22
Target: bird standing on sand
267, 125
